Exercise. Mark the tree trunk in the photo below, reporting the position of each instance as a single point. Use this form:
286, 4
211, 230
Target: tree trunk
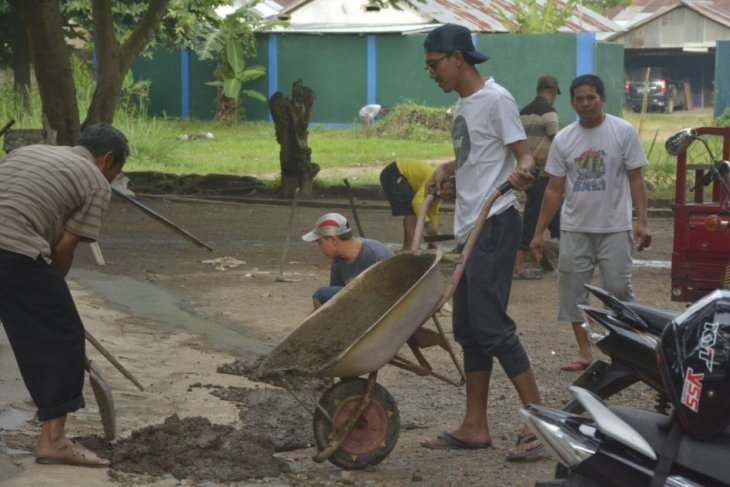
228, 110
52, 65
114, 60
20, 63
291, 119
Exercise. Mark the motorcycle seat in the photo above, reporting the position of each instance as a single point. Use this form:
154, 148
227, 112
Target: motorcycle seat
709, 457
657, 319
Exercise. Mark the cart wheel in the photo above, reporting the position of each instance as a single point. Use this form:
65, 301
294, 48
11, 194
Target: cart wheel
373, 436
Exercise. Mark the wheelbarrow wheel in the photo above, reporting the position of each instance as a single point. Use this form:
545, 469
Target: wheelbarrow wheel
373, 436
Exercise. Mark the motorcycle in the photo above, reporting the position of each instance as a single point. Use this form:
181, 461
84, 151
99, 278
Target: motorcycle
619, 446
627, 332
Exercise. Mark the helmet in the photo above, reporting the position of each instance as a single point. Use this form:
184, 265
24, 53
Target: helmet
693, 356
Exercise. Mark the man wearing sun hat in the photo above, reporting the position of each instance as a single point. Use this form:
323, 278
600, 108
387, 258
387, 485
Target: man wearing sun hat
488, 137
541, 123
350, 256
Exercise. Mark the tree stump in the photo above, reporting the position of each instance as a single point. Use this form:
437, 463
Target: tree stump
291, 119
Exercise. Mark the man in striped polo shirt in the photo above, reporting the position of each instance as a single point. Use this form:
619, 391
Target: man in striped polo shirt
541, 124
51, 198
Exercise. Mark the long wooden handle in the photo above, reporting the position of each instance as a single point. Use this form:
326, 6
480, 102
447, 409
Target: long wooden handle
189, 236
7, 126
113, 360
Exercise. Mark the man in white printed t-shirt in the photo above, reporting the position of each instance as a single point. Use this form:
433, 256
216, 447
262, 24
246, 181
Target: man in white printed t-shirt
488, 137
596, 163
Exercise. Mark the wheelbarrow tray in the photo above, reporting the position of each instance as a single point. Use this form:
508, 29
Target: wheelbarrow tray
364, 325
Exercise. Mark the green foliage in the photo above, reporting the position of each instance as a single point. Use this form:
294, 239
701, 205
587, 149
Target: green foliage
184, 23
603, 6
230, 43
410, 121
533, 17
723, 120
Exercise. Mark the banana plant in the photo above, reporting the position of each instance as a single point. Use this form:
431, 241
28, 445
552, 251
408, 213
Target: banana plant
230, 44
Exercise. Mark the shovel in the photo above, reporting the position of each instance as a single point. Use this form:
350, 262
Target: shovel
280, 277
104, 399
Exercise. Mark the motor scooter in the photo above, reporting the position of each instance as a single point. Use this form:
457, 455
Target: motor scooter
620, 446
626, 332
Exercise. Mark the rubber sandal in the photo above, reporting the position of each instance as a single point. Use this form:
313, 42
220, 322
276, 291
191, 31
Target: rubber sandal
576, 366
453, 443
527, 275
530, 454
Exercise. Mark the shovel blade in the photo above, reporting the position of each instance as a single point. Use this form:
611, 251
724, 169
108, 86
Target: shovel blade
104, 400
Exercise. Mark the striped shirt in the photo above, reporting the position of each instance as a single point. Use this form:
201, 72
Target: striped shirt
540, 121
46, 190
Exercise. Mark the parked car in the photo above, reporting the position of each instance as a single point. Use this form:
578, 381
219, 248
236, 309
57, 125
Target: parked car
664, 92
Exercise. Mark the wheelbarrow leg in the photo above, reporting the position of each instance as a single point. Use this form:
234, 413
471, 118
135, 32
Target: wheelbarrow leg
449, 348
335, 443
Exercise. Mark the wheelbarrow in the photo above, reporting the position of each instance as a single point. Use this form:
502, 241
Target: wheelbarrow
361, 329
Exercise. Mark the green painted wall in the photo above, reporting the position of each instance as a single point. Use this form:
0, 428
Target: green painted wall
609, 61
252, 109
163, 70
722, 77
333, 66
516, 61
202, 95
400, 73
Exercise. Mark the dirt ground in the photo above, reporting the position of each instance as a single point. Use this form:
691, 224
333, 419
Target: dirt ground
175, 314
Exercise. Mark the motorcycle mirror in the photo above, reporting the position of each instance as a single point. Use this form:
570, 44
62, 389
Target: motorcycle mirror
678, 143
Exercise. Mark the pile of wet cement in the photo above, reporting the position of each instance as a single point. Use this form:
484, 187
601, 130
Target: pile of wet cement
193, 448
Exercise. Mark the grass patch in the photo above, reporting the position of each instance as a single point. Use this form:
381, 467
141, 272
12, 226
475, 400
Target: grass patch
660, 174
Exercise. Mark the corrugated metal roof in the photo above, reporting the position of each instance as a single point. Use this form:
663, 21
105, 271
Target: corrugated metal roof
482, 16
356, 29
476, 15
643, 11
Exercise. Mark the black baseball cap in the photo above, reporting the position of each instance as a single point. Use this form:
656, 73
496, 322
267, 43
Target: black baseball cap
452, 37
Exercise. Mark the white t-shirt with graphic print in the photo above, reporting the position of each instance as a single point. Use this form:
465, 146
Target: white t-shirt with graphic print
594, 162
484, 124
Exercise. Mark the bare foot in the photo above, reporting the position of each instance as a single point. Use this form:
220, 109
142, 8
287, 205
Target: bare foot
70, 453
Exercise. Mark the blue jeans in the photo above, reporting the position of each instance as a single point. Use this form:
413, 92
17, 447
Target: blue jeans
324, 294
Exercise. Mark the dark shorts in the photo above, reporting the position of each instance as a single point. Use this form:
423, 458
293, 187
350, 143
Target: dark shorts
45, 332
532, 212
481, 324
397, 190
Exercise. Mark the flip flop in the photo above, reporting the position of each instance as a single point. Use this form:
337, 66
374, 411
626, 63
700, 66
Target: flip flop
530, 454
526, 275
576, 366
78, 456
453, 443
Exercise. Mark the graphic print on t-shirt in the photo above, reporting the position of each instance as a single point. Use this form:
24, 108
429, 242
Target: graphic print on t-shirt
591, 171
460, 140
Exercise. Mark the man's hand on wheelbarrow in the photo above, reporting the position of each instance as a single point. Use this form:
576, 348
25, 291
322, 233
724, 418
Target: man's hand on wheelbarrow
440, 181
522, 179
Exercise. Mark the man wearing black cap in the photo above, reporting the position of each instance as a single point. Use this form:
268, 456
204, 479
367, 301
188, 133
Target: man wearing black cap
488, 137
541, 124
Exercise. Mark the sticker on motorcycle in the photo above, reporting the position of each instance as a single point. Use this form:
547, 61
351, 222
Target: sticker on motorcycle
692, 389
707, 344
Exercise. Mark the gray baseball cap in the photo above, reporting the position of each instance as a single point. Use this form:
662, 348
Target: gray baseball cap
328, 225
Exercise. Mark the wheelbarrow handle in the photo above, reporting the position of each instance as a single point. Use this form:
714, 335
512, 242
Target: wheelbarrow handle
420, 222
